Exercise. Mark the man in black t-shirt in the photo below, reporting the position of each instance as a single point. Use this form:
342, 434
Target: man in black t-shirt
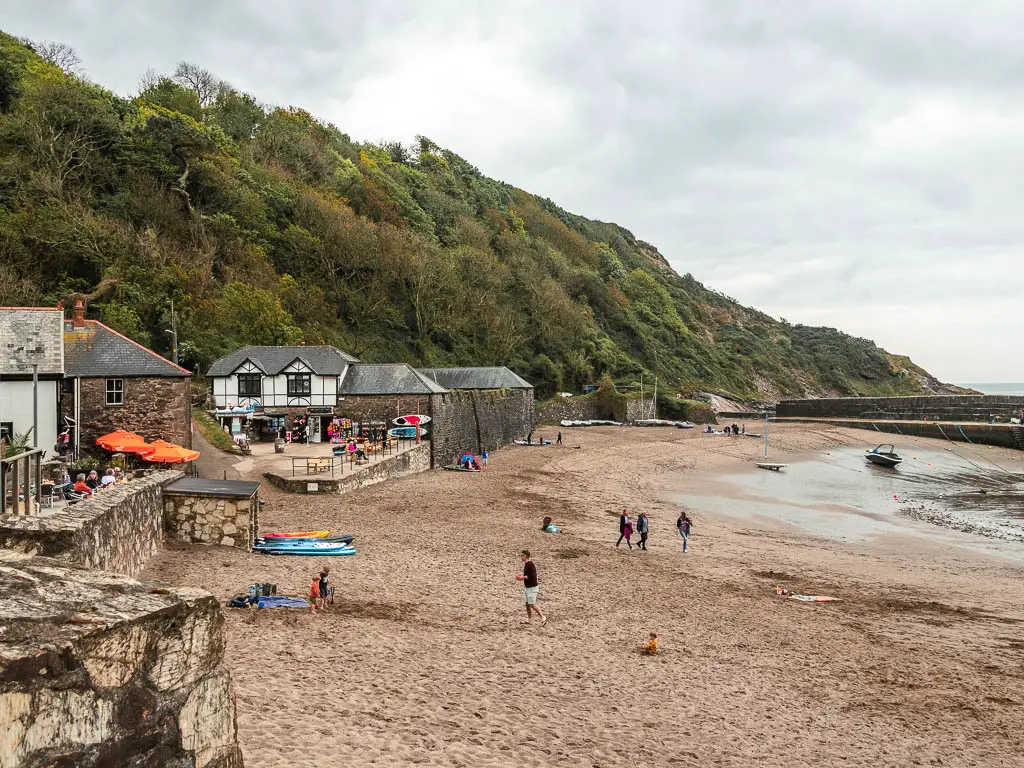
530, 588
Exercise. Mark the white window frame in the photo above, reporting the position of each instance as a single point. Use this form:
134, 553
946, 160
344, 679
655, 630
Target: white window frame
115, 390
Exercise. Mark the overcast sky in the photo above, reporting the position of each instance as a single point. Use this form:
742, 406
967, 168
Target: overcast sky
856, 164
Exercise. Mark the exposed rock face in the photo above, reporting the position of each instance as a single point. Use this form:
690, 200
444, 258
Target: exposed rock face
118, 530
101, 670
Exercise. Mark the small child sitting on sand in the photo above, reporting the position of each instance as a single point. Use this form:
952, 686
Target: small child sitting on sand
651, 646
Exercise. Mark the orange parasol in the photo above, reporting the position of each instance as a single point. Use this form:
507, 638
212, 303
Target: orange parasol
160, 451
121, 441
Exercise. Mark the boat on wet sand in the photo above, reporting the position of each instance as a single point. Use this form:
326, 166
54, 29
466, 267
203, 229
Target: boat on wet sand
884, 455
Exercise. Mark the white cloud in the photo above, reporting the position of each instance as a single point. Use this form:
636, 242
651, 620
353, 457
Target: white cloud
853, 164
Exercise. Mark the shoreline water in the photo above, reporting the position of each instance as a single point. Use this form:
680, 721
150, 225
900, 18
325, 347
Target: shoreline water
425, 658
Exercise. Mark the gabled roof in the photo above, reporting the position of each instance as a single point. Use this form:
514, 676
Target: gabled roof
31, 335
390, 379
94, 350
476, 378
323, 360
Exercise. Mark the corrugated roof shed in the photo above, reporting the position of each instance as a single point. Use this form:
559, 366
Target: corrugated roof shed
324, 360
31, 335
390, 379
94, 351
476, 378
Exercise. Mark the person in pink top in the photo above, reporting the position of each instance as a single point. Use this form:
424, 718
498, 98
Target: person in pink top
627, 531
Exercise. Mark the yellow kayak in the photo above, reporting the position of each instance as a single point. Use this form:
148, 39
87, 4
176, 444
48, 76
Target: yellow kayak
300, 535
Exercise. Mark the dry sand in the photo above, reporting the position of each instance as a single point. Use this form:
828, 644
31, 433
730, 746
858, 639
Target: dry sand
425, 659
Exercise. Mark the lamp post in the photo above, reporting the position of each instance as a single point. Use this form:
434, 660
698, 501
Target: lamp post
173, 330
35, 405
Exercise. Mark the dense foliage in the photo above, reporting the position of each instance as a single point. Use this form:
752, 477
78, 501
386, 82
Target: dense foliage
267, 226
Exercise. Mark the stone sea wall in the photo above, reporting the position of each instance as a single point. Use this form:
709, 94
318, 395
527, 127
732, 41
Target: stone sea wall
408, 462
212, 519
117, 530
579, 408
99, 671
363, 408
474, 420
932, 408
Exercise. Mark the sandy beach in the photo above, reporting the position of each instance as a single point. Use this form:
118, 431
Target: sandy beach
425, 658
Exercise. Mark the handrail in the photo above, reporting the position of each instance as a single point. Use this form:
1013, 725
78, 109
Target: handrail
19, 456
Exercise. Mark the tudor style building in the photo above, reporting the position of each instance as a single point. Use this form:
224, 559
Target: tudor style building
31, 343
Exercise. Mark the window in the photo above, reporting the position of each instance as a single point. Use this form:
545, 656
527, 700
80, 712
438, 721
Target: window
299, 385
250, 384
6, 430
115, 391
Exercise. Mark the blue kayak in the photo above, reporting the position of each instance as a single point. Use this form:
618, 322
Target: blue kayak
301, 542
325, 549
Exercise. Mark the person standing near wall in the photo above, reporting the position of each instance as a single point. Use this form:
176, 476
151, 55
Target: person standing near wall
558, 440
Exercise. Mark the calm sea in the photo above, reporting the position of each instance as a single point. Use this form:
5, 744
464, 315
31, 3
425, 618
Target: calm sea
996, 387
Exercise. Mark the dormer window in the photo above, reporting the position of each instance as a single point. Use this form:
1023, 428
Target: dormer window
299, 385
250, 385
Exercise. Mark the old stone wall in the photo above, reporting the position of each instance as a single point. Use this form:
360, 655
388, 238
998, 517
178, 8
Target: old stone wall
98, 671
932, 408
579, 408
117, 530
156, 408
1003, 435
408, 462
363, 408
212, 519
475, 420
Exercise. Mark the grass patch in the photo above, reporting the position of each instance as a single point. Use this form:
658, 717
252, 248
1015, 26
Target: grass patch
212, 431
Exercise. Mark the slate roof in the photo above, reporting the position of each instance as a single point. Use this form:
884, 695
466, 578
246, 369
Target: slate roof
476, 378
31, 335
201, 486
324, 360
95, 351
390, 379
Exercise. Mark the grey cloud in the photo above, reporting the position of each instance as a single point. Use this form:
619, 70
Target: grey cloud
827, 162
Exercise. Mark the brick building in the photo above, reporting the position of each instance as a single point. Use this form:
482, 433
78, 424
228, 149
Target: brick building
112, 382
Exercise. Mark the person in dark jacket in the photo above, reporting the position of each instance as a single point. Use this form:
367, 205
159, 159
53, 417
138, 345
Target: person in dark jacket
623, 519
642, 527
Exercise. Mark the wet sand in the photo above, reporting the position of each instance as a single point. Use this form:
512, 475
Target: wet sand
424, 659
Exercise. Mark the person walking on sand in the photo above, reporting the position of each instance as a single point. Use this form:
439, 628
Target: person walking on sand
684, 524
623, 519
627, 533
530, 588
558, 440
642, 527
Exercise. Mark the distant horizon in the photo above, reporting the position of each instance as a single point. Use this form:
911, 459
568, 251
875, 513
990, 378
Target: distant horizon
994, 387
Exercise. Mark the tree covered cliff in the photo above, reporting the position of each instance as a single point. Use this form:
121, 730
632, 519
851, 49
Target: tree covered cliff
268, 226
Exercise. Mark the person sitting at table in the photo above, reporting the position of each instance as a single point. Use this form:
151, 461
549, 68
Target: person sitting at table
82, 487
108, 478
93, 480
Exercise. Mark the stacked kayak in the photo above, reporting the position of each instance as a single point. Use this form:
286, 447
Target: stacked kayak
299, 535
322, 546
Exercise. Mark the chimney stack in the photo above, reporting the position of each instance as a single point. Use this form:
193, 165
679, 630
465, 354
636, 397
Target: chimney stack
78, 314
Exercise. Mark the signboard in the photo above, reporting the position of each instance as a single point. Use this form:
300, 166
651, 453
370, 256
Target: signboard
320, 410
312, 487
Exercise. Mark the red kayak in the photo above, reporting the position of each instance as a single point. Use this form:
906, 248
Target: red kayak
300, 535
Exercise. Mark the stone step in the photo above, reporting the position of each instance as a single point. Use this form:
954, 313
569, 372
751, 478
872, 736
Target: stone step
1018, 437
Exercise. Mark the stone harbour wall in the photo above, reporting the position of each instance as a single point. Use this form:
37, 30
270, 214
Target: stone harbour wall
117, 530
156, 408
212, 519
931, 408
364, 408
408, 462
99, 671
475, 420
578, 408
